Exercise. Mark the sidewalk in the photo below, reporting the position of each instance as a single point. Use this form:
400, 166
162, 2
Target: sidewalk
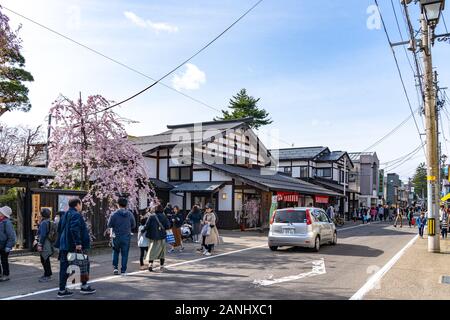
417, 275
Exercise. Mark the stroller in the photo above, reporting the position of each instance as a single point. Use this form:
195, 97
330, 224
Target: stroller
187, 231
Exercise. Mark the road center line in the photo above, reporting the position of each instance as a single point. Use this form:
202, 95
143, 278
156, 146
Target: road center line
372, 282
145, 271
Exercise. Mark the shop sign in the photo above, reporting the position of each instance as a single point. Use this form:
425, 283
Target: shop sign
322, 199
35, 210
288, 197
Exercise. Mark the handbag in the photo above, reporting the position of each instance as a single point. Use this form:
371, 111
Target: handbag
82, 261
206, 230
170, 238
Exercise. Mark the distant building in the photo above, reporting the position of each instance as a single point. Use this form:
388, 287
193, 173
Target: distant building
393, 191
364, 177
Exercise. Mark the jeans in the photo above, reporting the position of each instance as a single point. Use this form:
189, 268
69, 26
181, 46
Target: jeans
143, 252
444, 233
209, 247
421, 230
4, 268
47, 267
121, 244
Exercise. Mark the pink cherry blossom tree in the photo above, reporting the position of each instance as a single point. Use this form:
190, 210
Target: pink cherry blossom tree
90, 150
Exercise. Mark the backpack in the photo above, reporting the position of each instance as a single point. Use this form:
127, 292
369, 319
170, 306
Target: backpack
52, 234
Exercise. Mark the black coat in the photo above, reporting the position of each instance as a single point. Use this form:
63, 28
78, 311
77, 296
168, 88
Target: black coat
153, 229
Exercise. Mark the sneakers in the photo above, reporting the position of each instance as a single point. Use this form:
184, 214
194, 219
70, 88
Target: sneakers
87, 290
207, 253
172, 250
45, 279
181, 249
116, 272
4, 278
124, 274
64, 294
150, 268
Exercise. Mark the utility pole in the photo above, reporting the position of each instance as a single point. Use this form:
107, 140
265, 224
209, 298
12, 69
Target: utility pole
432, 140
345, 181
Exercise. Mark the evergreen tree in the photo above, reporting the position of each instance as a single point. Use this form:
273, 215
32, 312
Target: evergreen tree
13, 93
244, 106
420, 181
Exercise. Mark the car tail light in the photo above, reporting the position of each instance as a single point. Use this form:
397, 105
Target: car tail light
308, 217
273, 217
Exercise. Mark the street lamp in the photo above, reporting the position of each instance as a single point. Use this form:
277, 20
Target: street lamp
432, 10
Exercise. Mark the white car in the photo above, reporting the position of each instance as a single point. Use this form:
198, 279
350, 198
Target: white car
301, 227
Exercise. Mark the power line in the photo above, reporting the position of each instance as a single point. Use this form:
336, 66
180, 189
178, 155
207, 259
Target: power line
185, 61
406, 160
400, 75
389, 133
394, 162
401, 35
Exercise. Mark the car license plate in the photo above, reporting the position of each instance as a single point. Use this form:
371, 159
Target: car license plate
288, 231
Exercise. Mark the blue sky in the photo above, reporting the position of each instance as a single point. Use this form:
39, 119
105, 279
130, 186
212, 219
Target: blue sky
325, 78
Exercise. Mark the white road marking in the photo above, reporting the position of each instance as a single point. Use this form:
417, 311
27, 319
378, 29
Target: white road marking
374, 280
139, 272
318, 268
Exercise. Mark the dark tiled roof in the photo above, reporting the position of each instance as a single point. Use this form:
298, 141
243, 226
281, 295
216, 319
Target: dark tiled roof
198, 134
332, 156
197, 187
161, 185
272, 180
356, 156
298, 153
332, 185
25, 172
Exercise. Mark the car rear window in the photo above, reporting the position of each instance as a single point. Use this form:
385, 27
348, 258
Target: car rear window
290, 216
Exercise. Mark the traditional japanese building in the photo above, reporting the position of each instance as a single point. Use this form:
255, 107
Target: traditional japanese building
223, 163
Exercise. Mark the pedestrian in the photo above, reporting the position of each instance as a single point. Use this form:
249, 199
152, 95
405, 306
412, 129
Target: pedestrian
177, 222
156, 230
410, 216
58, 216
7, 241
421, 222
330, 212
73, 236
391, 213
399, 217
354, 215
195, 218
444, 224
143, 242
122, 223
385, 212
211, 234
368, 216
380, 212
47, 234
168, 211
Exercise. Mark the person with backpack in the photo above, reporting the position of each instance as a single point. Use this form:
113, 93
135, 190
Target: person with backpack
143, 242
7, 241
122, 223
47, 234
156, 230
73, 236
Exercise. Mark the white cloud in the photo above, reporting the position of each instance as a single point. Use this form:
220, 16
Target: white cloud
148, 24
317, 123
191, 79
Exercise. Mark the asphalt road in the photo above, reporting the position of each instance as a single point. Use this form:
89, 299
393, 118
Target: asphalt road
245, 268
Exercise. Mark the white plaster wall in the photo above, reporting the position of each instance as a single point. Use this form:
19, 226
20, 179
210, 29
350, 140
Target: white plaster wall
201, 176
226, 205
163, 170
150, 167
217, 176
176, 200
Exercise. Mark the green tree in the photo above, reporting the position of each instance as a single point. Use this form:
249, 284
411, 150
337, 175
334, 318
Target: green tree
13, 92
244, 106
420, 181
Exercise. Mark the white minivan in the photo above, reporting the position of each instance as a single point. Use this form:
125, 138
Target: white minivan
301, 227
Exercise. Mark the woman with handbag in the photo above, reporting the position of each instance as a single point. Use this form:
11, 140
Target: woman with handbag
156, 230
209, 231
45, 244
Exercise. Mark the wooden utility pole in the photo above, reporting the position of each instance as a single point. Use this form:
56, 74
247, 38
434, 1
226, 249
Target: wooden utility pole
432, 140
